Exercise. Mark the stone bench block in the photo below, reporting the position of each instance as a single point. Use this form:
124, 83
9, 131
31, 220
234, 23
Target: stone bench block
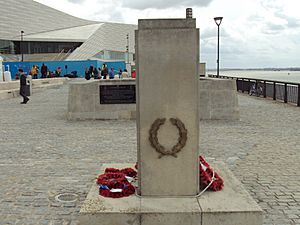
84, 102
217, 100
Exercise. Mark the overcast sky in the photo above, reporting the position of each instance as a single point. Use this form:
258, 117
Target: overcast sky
254, 33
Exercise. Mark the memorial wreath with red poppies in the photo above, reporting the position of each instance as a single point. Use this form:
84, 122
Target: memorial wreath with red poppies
117, 183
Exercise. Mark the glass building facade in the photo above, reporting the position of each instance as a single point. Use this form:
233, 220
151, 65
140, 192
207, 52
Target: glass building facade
7, 47
34, 47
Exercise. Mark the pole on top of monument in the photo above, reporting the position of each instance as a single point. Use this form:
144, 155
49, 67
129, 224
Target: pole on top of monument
189, 13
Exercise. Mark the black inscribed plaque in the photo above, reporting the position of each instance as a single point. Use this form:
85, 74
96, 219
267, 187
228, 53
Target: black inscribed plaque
117, 94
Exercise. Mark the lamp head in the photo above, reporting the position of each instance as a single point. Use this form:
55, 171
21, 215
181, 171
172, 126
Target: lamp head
218, 20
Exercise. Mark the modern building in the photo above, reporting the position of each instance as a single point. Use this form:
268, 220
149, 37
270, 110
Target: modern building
35, 32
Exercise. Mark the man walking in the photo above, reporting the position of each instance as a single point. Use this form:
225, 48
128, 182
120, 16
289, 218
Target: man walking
23, 87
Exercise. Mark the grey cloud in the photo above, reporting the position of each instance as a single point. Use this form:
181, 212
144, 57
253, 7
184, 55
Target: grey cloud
231, 51
159, 4
269, 27
76, 1
207, 48
272, 28
212, 33
113, 16
231, 46
208, 33
228, 45
109, 12
291, 22
255, 18
271, 5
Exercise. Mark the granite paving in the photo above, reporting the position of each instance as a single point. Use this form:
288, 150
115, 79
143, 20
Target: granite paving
43, 155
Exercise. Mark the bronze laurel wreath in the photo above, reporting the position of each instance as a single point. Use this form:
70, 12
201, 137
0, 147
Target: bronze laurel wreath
154, 139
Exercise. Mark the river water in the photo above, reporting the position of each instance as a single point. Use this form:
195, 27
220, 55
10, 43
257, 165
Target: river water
282, 75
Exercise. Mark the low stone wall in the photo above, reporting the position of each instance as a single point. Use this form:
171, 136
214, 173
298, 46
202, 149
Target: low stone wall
9, 85
11, 89
217, 97
36, 83
84, 101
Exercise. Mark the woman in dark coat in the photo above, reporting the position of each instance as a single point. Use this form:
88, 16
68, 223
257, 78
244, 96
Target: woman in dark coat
23, 87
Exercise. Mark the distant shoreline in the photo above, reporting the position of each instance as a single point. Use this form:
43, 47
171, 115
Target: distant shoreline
259, 69
282, 74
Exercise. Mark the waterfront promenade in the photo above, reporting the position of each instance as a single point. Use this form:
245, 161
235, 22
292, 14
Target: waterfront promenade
43, 155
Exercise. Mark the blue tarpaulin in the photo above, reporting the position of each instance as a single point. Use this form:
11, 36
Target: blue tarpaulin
66, 66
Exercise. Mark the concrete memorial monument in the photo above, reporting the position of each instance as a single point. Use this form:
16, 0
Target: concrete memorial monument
168, 135
167, 110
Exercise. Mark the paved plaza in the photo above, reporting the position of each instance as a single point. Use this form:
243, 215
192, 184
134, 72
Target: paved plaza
43, 155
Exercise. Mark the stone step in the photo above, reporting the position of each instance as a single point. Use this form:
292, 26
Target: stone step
231, 206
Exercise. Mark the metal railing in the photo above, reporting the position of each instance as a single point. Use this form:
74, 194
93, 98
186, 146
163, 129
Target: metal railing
287, 92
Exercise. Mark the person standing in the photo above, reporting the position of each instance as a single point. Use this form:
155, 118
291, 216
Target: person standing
111, 73
91, 71
87, 74
44, 70
133, 74
58, 72
125, 74
120, 73
23, 87
34, 72
96, 73
105, 73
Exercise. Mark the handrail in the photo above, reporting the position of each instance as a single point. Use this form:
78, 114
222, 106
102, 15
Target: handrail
64, 56
58, 55
247, 78
278, 90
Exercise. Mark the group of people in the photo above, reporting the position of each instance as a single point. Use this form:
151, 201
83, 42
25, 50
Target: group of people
45, 72
91, 72
106, 73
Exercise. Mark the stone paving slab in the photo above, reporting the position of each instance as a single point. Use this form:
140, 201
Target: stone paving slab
43, 155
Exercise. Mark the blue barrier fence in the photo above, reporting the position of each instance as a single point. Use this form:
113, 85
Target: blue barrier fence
66, 66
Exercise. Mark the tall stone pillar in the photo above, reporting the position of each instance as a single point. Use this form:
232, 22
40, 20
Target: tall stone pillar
167, 107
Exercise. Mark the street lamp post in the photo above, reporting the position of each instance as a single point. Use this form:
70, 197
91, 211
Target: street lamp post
218, 21
21, 46
127, 48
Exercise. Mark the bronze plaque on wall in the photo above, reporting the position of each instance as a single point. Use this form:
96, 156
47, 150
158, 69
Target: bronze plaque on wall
117, 94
